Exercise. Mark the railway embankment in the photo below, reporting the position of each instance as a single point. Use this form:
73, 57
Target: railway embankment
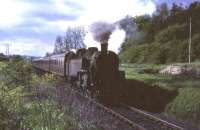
175, 96
29, 101
147, 97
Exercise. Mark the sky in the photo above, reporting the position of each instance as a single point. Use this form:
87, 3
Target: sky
30, 27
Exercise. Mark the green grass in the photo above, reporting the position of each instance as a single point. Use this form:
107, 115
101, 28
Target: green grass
193, 64
2, 65
186, 106
149, 74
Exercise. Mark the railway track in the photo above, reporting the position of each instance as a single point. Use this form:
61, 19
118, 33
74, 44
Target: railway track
144, 119
103, 109
132, 117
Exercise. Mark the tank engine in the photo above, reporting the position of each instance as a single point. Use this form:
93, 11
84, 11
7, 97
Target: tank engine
95, 73
105, 74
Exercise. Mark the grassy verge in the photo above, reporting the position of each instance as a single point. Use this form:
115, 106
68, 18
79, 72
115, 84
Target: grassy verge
149, 74
186, 105
28, 101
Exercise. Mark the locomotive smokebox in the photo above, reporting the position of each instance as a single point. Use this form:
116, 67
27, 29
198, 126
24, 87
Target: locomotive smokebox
104, 48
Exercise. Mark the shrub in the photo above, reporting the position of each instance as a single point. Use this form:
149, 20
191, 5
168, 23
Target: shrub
186, 106
16, 73
29, 101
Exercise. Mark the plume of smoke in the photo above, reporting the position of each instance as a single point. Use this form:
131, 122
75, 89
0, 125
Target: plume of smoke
129, 26
101, 31
132, 31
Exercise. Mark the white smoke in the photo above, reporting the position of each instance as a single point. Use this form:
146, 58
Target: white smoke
116, 40
89, 41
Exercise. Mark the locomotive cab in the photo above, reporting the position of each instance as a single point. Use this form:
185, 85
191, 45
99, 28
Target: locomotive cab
83, 74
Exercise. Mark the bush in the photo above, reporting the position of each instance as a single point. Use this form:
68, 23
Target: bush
16, 73
14, 76
29, 101
3, 57
186, 106
11, 108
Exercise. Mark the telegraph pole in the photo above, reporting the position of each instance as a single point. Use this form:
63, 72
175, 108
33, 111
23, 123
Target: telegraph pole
190, 41
7, 49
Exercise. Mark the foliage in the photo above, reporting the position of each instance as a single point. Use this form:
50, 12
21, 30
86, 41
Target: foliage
3, 57
16, 72
186, 106
11, 92
29, 101
10, 107
163, 37
45, 114
16, 58
59, 45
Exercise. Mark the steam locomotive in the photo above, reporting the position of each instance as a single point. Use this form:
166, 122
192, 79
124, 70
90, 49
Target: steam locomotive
95, 73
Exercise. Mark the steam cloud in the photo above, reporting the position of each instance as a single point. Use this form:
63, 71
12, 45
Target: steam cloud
101, 31
114, 33
129, 26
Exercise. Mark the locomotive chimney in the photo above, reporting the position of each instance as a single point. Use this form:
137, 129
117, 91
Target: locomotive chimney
104, 48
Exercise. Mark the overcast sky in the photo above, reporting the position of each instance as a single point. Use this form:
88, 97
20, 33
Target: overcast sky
31, 26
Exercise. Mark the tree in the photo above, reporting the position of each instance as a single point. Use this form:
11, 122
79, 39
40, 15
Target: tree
177, 14
165, 35
48, 54
145, 27
162, 11
160, 18
58, 45
74, 38
143, 22
3, 57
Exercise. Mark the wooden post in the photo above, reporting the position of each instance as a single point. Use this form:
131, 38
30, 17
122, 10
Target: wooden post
189, 55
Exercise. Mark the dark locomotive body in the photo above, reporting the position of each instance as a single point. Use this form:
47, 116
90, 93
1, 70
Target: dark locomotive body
96, 73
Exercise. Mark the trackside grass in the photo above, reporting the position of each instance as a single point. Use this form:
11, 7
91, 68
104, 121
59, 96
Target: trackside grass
149, 74
27, 101
186, 106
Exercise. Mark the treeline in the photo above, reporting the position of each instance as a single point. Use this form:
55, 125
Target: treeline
163, 37
3, 57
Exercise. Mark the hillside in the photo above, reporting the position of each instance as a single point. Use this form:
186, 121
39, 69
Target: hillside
163, 37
